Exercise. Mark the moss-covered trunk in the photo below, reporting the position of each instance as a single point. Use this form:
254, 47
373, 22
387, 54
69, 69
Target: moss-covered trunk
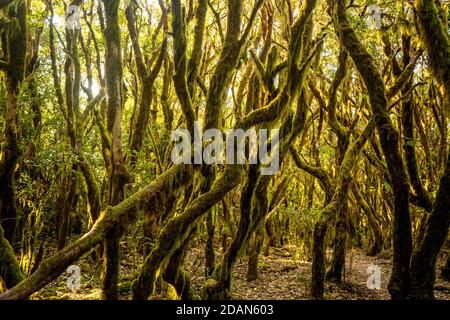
333, 208
146, 78
377, 244
423, 264
118, 175
210, 254
121, 214
177, 229
16, 49
254, 250
337, 265
218, 286
10, 272
435, 37
176, 275
445, 271
402, 241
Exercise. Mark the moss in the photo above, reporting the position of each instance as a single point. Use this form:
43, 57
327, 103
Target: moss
177, 229
16, 48
223, 272
111, 265
423, 262
10, 272
435, 38
147, 79
55, 265
209, 249
389, 139
180, 62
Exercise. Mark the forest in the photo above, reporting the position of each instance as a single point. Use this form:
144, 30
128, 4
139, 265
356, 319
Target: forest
116, 184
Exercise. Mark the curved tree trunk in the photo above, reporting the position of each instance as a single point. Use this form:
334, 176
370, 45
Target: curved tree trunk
399, 285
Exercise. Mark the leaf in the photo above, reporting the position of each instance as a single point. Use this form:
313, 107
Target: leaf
412, 143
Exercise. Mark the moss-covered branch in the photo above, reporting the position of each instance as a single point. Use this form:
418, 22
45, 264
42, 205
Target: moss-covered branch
178, 228
434, 36
123, 213
10, 271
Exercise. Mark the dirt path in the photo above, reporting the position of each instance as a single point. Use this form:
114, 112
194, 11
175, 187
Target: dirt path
281, 276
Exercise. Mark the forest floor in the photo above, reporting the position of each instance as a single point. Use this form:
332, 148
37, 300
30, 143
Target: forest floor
281, 276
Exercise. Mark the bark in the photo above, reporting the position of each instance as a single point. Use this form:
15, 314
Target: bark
121, 214
445, 272
177, 229
423, 263
10, 272
16, 49
210, 254
255, 251
147, 80
377, 244
337, 265
118, 176
218, 286
434, 36
176, 275
331, 209
180, 61
400, 279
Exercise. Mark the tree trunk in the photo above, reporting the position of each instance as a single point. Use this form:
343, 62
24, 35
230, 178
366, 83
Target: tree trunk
118, 175
423, 263
434, 35
16, 48
399, 285
445, 271
334, 273
253, 257
10, 272
209, 249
